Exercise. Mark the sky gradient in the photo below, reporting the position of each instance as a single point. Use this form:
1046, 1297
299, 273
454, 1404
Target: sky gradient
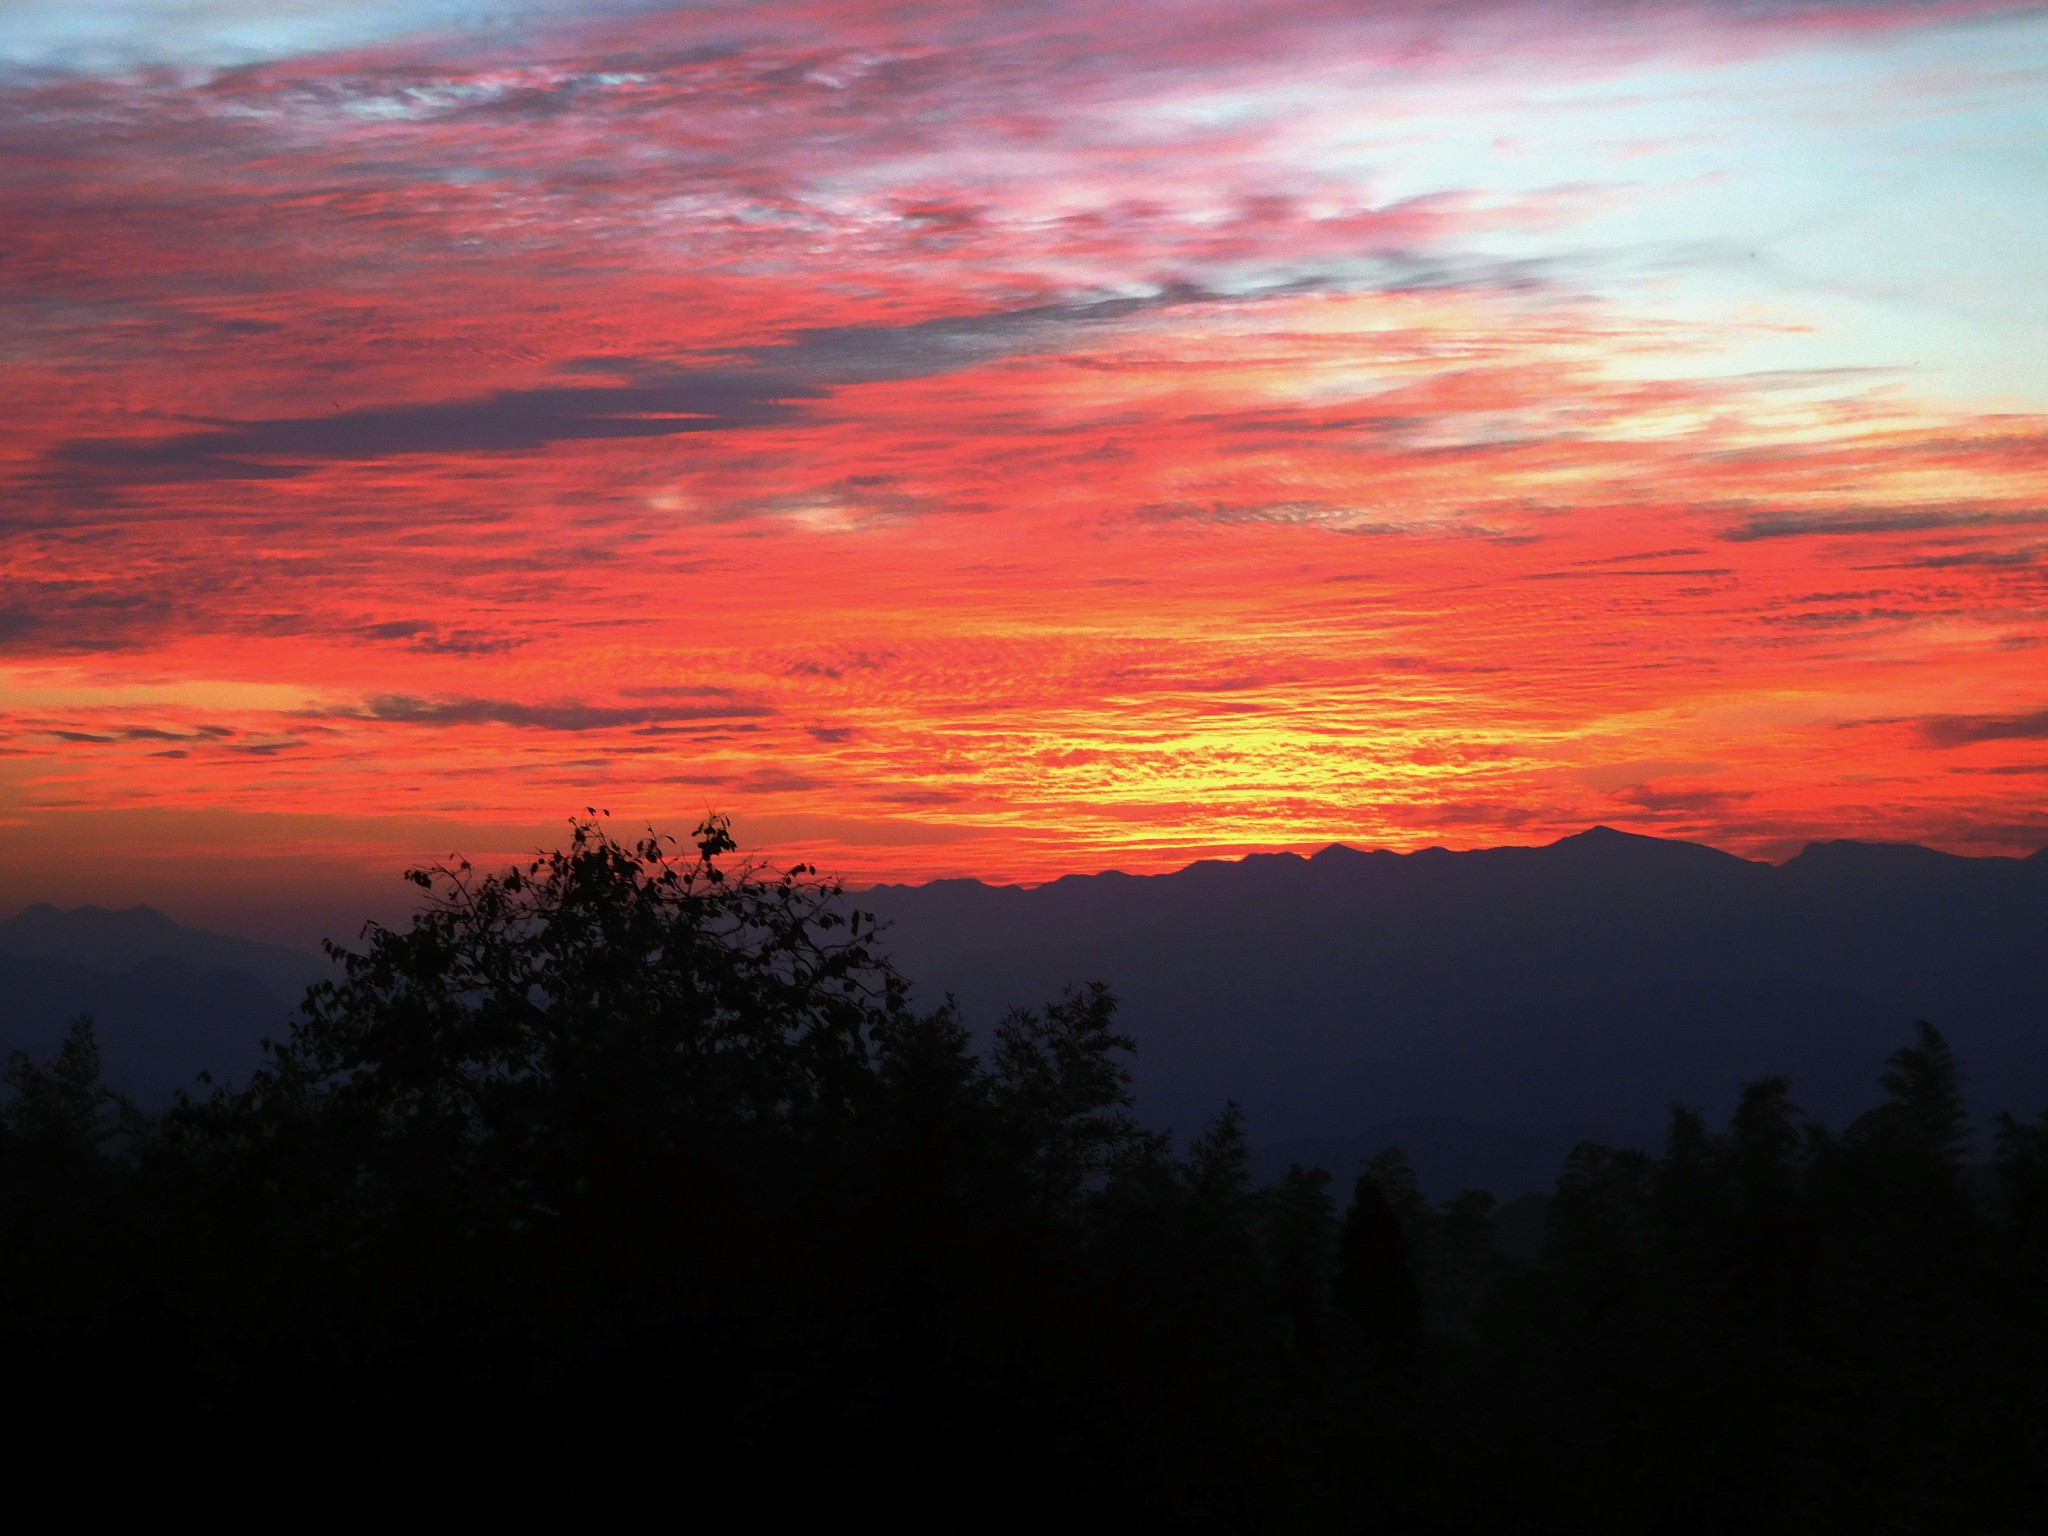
1014, 439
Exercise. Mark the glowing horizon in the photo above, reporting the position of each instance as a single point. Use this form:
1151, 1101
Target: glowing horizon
1018, 440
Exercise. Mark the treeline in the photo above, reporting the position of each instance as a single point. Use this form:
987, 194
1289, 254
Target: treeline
625, 1173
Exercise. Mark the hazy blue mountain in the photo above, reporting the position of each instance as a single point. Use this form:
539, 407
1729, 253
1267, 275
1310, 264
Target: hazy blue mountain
1487, 1008
1484, 1010
160, 1023
167, 1001
106, 940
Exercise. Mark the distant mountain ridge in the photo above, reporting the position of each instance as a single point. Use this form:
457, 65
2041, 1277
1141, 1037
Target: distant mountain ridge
1484, 1009
167, 1001
116, 940
1527, 995
160, 1023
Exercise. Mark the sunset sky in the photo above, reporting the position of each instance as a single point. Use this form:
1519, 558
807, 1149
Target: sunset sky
1013, 439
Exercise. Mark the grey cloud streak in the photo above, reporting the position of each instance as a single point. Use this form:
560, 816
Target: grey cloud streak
506, 421
769, 386
1968, 730
1794, 525
556, 715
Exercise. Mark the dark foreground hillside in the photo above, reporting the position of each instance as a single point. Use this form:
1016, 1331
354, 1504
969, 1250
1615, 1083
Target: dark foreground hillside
622, 1176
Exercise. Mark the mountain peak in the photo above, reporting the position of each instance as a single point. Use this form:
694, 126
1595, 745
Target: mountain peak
1603, 835
1340, 853
1603, 840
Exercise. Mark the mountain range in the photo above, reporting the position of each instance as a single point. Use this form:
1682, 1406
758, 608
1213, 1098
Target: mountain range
1484, 1010
167, 1001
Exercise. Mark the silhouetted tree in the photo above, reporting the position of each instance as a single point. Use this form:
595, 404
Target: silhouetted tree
61, 1104
1064, 1095
1299, 1229
1926, 1090
1374, 1284
603, 1009
2022, 1164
